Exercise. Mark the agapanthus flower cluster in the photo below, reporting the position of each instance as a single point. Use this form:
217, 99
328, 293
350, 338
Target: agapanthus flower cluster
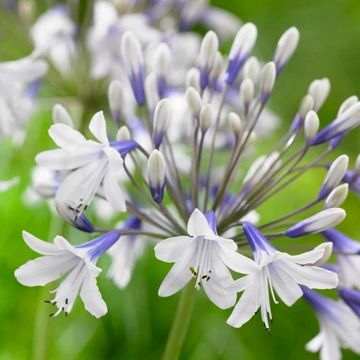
174, 166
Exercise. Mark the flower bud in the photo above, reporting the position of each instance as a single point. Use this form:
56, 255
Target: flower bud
61, 116
349, 119
247, 90
156, 175
193, 100
307, 104
240, 50
348, 103
235, 123
311, 125
162, 59
337, 196
217, 68
319, 90
286, 47
116, 100
334, 176
319, 222
123, 134
357, 165
193, 79
206, 115
134, 63
252, 69
208, 51
161, 121
267, 80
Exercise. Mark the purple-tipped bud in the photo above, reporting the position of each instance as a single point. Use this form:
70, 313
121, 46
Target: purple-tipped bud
208, 51
134, 63
161, 121
319, 222
156, 175
334, 176
116, 100
341, 125
240, 51
341, 242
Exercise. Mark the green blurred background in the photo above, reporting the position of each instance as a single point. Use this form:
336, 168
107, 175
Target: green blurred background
138, 320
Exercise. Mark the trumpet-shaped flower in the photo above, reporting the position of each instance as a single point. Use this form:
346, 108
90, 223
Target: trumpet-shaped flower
78, 262
280, 273
205, 256
95, 163
339, 327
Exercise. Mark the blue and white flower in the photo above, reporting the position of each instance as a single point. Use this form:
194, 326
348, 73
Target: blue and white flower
280, 273
76, 263
339, 327
204, 256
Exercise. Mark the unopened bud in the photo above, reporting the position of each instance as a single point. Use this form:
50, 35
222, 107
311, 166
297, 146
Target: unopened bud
235, 123
123, 134
61, 116
307, 104
357, 165
319, 90
247, 90
334, 176
161, 121
319, 222
116, 99
252, 69
193, 79
347, 104
337, 196
267, 80
193, 100
208, 51
206, 115
286, 47
311, 125
162, 59
156, 175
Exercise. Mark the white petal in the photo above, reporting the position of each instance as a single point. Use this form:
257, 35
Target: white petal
173, 249
198, 225
60, 159
115, 160
40, 246
45, 269
91, 297
321, 252
315, 344
178, 276
248, 304
288, 290
238, 262
312, 276
66, 137
113, 192
98, 127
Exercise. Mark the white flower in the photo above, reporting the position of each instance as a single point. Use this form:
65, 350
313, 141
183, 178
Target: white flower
279, 272
18, 85
60, 258
53, 35
204, 256
6, 185
339, 327
95, 163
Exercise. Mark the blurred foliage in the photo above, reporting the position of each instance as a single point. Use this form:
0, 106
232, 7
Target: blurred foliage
138, 321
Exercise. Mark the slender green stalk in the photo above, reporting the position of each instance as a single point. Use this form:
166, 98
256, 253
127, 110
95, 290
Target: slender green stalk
180, 324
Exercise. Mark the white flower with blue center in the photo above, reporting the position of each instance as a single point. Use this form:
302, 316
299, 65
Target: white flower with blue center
205, 256
339, 327
76, 263
280, 273
95, 163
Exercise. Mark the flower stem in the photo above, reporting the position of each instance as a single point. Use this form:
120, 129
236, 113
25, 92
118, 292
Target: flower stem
180, 324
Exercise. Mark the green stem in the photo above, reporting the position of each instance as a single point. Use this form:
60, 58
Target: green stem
180, 324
